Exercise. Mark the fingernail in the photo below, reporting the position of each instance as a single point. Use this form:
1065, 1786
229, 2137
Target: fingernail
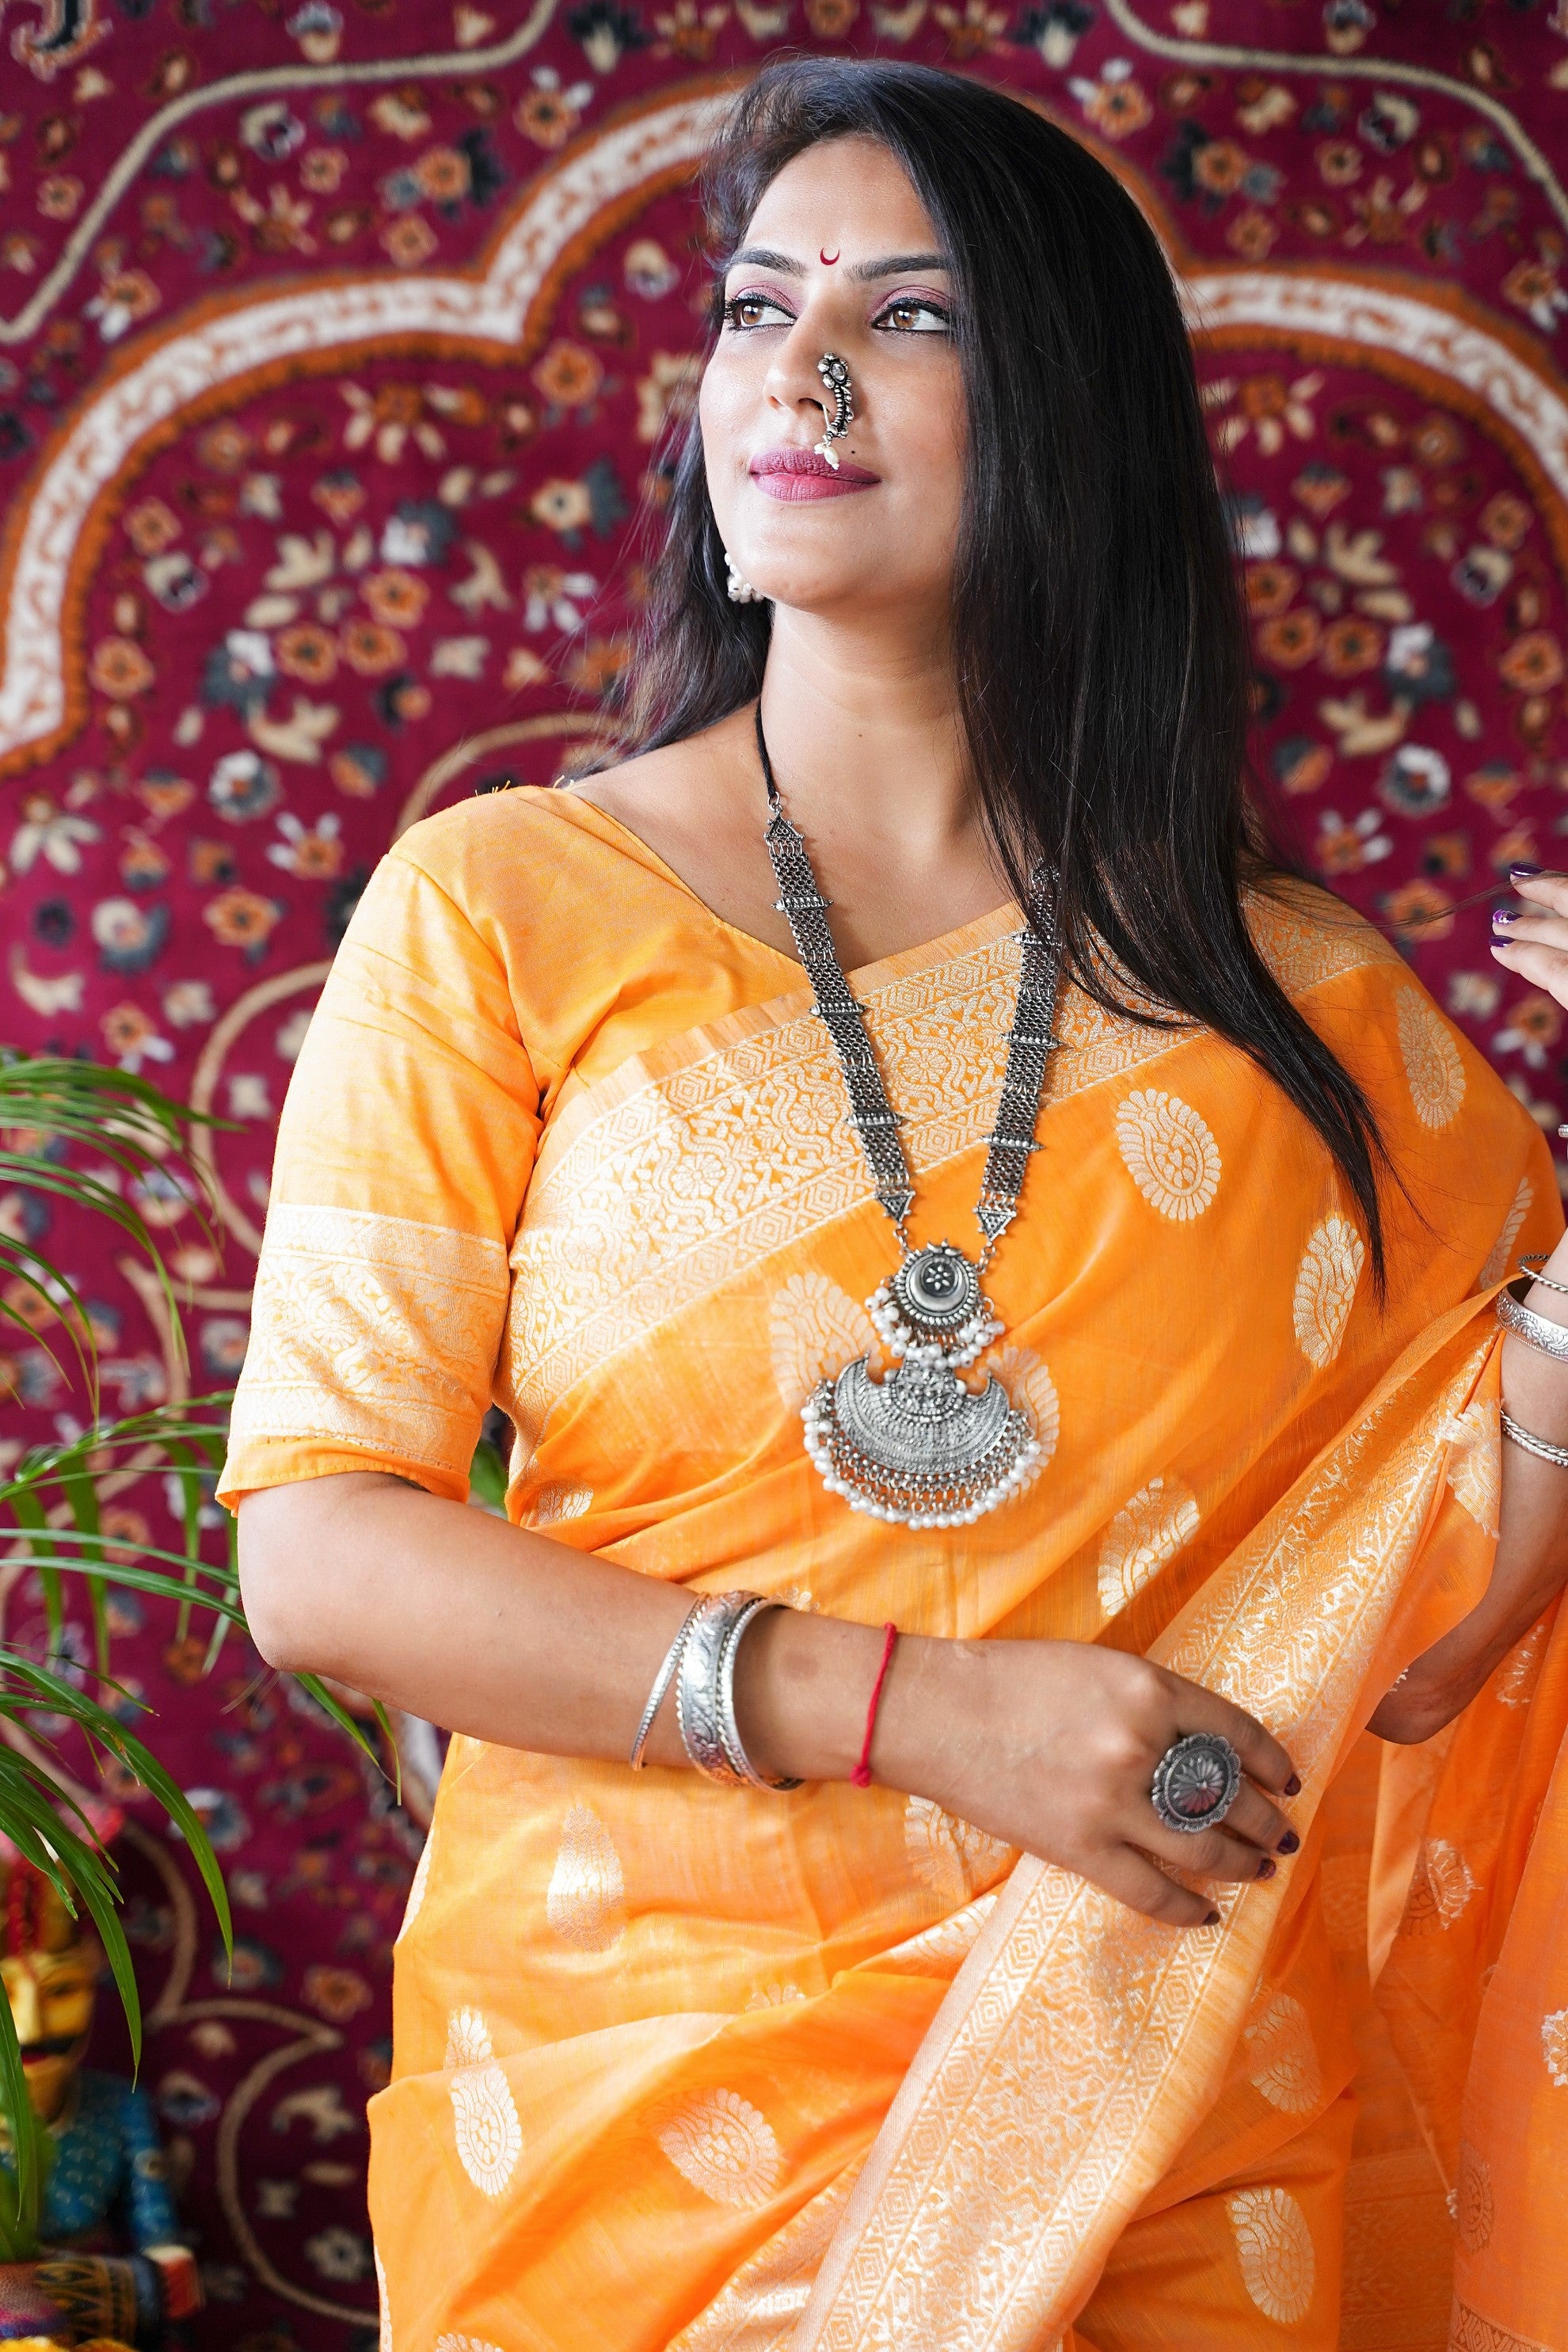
1502, 916
1527, 870
1213, 1919
1293, 1785
1266, 1868
1290, 1842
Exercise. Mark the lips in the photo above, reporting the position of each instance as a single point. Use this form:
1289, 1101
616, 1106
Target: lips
792, 474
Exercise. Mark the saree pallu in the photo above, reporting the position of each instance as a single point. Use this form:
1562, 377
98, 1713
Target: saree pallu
675, 2067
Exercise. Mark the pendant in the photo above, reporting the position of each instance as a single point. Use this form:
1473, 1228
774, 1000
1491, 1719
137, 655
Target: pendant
919, 1449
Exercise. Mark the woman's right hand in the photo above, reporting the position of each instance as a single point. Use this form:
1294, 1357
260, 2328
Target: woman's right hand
1052, 1746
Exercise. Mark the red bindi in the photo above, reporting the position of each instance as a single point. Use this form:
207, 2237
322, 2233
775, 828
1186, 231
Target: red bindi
827, 259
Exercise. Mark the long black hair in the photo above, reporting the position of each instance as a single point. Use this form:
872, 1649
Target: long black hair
1099, 643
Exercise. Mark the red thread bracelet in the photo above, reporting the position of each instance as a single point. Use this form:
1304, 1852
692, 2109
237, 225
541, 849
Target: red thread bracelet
861, 1775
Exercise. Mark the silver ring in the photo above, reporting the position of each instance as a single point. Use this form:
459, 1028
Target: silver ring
1195, 1782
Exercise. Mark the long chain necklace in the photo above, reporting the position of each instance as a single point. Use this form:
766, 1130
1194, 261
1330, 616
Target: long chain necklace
921, 1448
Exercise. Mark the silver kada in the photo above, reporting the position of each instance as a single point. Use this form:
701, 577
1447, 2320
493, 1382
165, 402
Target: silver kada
1195, 1782
920, 1448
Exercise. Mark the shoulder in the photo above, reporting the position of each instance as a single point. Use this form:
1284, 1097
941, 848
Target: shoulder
1307, 937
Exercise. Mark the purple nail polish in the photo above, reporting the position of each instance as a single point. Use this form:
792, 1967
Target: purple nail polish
1527, 870
1213, 1919
1502, 916
1290, 1842
1293, 1785
1266, 1868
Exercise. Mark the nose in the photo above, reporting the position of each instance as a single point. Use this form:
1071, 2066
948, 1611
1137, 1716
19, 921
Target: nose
792, 385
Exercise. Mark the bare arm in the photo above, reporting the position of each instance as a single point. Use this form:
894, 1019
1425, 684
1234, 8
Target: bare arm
504, 1635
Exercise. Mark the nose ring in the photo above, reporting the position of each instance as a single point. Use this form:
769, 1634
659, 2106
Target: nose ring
835, 379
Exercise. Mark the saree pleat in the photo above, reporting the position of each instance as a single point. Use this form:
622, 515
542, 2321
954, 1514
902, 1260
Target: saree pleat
680, 2068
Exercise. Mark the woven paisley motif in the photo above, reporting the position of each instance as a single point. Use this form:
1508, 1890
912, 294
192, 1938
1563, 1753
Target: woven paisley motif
1554, 2046
1170, 1153
1150, 1527
1499, 1259
1475, 1463
1474, 2208
586, 1905
1028, 1382
1520, 1670
464, 2344
416, 1890
1281, 2056
1442, 1885
489, 2134
813, 1328
1325, 1288
725, 2147
953, 1858
383, 2322
1274, 2247
554, 1503
1432, 1061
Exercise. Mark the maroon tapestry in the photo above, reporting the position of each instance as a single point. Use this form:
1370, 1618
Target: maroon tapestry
337, 340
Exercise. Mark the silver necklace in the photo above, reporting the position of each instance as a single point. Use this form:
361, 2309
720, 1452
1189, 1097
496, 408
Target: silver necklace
920, 1448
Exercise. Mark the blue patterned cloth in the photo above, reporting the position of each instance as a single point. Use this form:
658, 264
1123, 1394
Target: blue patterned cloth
108, 2165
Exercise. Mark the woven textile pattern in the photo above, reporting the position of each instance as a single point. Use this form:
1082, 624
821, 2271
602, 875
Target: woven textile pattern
338, 340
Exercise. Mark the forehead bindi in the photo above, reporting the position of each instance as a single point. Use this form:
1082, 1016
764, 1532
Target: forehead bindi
843, 203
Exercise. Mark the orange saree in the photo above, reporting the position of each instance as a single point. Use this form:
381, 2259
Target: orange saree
681, 2068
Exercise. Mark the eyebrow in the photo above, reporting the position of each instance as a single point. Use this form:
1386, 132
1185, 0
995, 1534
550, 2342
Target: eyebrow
757, 256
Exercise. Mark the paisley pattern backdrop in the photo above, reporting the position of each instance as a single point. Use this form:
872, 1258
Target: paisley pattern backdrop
337, 340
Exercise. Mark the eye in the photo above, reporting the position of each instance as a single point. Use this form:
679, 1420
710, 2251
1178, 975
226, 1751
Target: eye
914, 314
755, 310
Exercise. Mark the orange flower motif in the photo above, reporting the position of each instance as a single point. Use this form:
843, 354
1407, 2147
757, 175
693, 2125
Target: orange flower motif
306, 651
1338, 161
1290, 639
1422, 909
120, 668
830, 19
569, 376
1532, 663
239, 919
322, 169
546, 117
151, 526
1536, 1019
443, 174
1505, 520
408, 240
336, 1994
1351, 646
59, 196
371, 649
1269, 587
126, 1029
1117, 108
1220, 167
396, 598
1251, 234
601, 665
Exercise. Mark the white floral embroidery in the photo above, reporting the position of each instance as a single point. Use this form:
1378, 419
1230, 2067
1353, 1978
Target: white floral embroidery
489, 2134
1169, 1152
1441, 1886
1520, 1670
1274, 2247
1554, 2046
556, 1502
1432, 1063
1281, 2055
1499, 1257
813, 1328
952, 1857
775, 1995
586, 1902
1152, 1526
464, 2344
1325, 1288
417, 1885
384, 2328
725, 2147
1475, 1462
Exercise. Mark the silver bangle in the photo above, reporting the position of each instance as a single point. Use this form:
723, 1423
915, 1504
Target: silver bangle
704, 1693
1550, 1339
729, 1729
1536, 1259
661, 1683
1537, 1446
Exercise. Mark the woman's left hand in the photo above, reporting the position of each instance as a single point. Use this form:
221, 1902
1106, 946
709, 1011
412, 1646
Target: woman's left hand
1534, 943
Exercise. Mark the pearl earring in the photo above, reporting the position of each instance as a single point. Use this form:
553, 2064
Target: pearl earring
741, 589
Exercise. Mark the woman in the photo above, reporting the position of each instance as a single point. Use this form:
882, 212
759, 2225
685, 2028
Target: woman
757, 2054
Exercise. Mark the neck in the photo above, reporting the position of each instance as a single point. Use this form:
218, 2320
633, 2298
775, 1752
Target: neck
863, 729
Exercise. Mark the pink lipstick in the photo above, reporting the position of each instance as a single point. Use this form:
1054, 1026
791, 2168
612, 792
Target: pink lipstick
795, 474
